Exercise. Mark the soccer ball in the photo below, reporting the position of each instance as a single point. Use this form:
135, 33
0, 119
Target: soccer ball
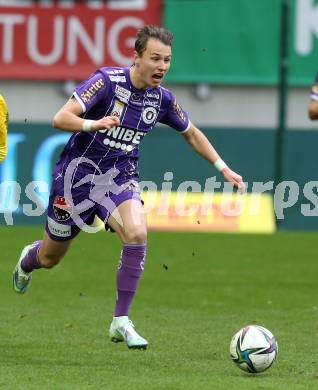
253, 349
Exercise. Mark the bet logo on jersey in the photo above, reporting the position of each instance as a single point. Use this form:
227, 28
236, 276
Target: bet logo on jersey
62, 208
149, 114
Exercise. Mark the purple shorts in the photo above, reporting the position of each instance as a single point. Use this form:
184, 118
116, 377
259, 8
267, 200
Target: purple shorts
68, 213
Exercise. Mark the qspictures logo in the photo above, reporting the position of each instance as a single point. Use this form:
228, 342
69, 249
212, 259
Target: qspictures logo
102, 187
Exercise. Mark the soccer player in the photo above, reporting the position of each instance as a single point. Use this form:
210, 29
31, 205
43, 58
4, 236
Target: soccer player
97, 174
313, 104
4, 117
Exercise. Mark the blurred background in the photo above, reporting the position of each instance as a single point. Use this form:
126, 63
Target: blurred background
242, 69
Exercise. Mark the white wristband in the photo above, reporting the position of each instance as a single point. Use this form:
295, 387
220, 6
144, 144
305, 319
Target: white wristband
314, 96
220, 164
87, 125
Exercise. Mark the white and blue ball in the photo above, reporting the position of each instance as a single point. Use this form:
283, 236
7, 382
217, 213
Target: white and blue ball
253, 348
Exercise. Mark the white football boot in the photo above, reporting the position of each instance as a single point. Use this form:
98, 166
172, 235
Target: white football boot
21, 279
122, 329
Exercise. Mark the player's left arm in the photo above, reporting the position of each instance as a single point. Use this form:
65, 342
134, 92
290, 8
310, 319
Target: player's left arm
202, 146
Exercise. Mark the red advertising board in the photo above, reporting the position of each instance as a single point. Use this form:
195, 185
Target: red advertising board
57, 42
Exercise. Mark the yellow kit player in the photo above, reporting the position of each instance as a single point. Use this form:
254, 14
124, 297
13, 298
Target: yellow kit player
4, 118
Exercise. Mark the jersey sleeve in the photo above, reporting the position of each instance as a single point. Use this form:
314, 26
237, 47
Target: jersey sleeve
92, 90
314, 89
175, 116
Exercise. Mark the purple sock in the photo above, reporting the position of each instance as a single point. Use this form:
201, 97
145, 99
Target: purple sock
30, 260
129, 272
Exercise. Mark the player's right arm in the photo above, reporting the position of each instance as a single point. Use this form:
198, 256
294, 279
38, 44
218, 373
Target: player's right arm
313, 104
68, 118
74, 115
178, 119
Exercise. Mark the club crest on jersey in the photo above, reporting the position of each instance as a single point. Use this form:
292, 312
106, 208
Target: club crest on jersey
62, 208
122, 94
149, 114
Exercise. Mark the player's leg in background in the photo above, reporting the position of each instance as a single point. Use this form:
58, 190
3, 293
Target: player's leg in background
51, 251
129, 221
44, 253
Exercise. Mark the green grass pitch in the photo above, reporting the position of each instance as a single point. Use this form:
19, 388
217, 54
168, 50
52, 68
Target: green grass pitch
196, 292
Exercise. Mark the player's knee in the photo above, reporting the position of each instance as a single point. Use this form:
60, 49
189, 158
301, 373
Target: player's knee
135, 236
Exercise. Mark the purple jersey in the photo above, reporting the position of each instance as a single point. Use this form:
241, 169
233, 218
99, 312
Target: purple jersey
109, 91
98, 170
